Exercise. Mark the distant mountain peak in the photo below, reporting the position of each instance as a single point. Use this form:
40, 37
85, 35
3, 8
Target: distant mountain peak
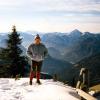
75, 33
88, 33
75, 30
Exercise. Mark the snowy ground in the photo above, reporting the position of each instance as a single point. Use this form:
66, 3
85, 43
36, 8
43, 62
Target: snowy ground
49, 90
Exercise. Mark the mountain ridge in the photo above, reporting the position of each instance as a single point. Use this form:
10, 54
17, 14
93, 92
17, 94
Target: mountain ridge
71, 47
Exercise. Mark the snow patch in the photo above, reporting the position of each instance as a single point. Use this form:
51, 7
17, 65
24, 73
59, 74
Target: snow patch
49, 90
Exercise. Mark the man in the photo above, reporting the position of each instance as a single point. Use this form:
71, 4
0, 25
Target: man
37, 52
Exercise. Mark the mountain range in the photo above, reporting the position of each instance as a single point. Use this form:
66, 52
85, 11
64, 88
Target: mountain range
71, 47
65, 50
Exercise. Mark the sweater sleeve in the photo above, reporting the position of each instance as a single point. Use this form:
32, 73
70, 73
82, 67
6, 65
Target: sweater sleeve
29, 51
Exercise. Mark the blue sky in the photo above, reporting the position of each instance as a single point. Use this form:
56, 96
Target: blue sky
50, 15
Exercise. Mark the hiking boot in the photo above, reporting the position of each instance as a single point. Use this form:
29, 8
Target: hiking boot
30, 82
38, 81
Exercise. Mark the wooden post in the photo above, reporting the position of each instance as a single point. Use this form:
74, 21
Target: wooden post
83, 82
80, 79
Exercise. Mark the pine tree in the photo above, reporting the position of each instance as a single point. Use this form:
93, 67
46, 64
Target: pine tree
13, 54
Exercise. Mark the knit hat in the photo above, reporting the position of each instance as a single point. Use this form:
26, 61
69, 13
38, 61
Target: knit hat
37, 37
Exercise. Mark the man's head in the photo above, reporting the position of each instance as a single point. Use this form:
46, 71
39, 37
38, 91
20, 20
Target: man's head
37, 39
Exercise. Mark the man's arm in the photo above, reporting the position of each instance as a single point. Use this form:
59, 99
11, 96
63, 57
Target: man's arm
45, 52
29, 51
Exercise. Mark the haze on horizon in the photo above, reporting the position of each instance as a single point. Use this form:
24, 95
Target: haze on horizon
50, 15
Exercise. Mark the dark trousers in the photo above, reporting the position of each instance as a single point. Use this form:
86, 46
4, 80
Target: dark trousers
35, 70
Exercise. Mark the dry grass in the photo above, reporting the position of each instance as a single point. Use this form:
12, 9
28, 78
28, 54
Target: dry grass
95, 88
